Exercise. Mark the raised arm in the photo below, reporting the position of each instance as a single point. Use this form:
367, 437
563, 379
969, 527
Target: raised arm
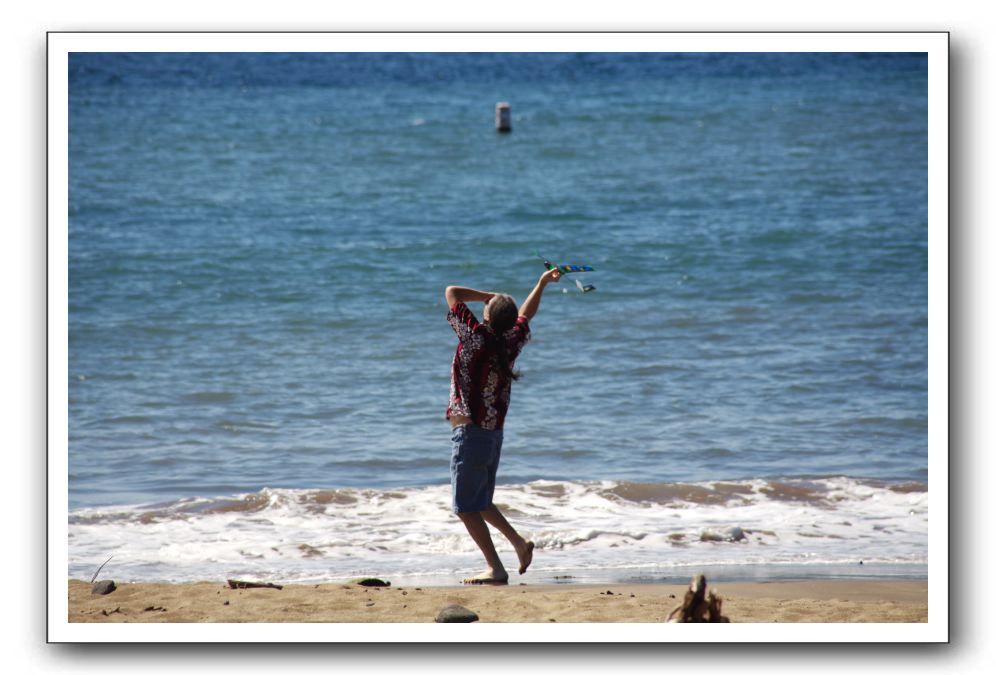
532, 303
455, 294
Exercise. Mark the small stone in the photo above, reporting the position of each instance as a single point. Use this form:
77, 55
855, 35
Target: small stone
227, 602
103, 588
609, 593
456, 614
370, 604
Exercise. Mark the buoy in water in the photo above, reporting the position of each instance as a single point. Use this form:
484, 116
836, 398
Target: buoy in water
503, 117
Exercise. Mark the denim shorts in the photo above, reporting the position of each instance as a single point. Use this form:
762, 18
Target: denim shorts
473, 467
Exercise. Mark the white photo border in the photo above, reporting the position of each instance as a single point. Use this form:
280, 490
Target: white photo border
934, 44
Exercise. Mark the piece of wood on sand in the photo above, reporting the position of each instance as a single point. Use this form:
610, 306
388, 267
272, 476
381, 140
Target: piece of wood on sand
235, 583
697, 607
372, 582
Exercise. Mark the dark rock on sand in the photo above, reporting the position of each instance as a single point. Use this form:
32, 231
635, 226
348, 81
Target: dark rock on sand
456, 614
370, 581
103, 588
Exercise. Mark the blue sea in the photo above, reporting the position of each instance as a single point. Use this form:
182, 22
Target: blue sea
259, 356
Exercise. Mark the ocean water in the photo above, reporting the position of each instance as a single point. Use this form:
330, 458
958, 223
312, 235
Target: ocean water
258, 352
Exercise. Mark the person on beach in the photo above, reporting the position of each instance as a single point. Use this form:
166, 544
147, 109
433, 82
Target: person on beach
480, 390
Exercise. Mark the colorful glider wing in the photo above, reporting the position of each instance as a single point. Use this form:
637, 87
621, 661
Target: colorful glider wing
567, 269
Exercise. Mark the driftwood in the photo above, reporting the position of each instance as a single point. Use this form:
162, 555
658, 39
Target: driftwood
370, 581
234, 583
697, 607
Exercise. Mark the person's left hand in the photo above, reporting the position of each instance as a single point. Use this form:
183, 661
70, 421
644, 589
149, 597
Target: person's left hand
551, 275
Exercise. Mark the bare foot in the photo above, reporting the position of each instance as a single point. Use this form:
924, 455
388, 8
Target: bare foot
488, 578
526, 558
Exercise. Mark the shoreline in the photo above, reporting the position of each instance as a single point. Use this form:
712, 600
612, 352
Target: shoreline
807, 601
678, 575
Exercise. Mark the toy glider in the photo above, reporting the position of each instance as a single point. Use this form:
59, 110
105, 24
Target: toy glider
571, 269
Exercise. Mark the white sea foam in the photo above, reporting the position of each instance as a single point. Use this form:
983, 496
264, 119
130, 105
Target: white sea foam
311, 535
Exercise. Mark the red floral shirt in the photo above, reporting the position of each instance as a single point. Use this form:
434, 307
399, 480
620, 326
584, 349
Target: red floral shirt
478, 388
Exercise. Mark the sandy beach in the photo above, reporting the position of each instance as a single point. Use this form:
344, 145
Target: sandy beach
848, 601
